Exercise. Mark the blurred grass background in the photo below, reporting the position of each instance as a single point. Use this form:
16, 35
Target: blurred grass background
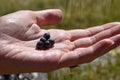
78, 14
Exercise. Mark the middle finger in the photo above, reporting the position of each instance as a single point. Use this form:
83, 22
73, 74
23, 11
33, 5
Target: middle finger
85, 42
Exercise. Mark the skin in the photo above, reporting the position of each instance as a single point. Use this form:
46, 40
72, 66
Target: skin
20, 31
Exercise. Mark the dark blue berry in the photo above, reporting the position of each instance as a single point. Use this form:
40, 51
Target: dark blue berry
43, 39
47, 45
40, 45
46, 36
52, 41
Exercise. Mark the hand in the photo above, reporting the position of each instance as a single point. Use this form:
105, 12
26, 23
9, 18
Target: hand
20, 31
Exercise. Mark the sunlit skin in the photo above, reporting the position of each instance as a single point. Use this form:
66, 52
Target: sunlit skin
21, 30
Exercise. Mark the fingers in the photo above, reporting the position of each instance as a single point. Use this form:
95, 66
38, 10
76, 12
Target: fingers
102, 47
84, 42
84, 55
75, 34
88, 54
94, 30
48, 17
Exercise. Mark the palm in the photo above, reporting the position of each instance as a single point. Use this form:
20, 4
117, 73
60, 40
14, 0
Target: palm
22, 36
21, 33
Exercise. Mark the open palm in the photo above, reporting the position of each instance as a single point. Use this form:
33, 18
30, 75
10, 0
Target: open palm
20, 31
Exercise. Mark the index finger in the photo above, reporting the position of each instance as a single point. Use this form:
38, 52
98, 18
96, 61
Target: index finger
79, 33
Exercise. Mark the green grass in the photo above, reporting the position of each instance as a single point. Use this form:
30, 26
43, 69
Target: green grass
78, 14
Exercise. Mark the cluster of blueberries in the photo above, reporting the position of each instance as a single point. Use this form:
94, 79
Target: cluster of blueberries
45, 42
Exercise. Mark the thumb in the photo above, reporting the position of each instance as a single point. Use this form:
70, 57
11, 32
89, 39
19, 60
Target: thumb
48, 17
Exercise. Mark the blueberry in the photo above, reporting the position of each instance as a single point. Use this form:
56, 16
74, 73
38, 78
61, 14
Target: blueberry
47, 45
46, 36
43, 39
40, 45
51, 41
